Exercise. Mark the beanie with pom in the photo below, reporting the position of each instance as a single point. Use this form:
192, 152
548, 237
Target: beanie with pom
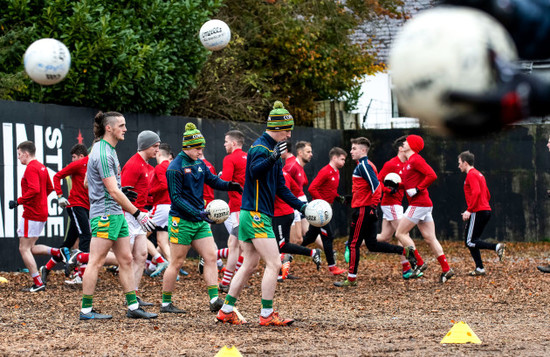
192, 138
416, 143
279, 118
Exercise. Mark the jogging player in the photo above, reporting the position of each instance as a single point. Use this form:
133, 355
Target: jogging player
366, 192
477, 213
417, 177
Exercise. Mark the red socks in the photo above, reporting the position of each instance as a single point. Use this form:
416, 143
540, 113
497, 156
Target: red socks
419, 260
443, 262
82, 258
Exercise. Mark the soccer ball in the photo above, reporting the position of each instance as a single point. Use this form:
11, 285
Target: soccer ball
392, 179
444, 49
215, 35
47, 61
219, 211
318, 213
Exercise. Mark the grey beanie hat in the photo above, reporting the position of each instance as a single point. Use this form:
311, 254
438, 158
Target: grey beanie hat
146, 139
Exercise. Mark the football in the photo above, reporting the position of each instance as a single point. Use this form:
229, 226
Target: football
392, 180
215, 35
47, 61
441, 50
318, 213
219, 211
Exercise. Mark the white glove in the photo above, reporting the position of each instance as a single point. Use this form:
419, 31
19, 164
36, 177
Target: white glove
144, 221
412, 191
62, 202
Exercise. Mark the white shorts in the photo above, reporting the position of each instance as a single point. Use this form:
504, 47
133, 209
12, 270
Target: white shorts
392, 212
297, 215
134, 228
28, 228
232, 223
159, 215
419, 214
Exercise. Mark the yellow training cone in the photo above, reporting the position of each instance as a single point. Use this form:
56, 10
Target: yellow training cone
229, 352
3, 280
460, 333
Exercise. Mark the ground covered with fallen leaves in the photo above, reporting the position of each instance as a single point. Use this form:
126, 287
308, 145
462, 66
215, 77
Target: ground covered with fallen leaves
508, 309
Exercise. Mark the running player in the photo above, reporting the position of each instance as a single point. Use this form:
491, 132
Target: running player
478, 212
234, 167
188, 221
77, 207
161, 198
264, 179
35, 188
417, 177
325, 186
109, 227
366, 192
392, 203
135, 174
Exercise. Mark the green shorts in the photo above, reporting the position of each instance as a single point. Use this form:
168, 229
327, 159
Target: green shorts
254, 225
110, 227
184, 232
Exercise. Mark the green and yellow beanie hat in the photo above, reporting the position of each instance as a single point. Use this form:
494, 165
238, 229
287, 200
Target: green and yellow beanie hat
279, 118
192, 138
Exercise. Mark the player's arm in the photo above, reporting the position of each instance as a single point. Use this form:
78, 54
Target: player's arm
475, 191
111, 185
33, 188
428, 172
368, 174
263, 159
66, 171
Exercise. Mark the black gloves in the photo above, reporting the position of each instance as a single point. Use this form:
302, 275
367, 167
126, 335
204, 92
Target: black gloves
278, 150
132, 195
235, 186
205, 216
516, 96
12, 204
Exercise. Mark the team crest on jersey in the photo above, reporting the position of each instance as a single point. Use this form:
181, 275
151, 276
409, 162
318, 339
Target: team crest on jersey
187, 171
200, 169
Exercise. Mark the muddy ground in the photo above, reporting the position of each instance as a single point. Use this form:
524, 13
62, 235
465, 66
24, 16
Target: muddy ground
508, 309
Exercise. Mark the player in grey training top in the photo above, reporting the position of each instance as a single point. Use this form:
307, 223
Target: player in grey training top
103, 163
107, 222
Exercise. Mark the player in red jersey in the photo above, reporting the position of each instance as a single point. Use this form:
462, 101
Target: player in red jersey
417, 177
135, 174
366, 192
158, 190
294, 165
35, 188
325, 186
478, 212
392, 202
77, 207
234, 169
